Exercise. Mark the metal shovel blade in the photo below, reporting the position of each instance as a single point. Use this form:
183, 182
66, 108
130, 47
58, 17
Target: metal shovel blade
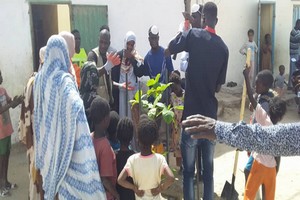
229, 193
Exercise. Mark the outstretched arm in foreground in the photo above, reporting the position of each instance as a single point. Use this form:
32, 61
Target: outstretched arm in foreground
278, 140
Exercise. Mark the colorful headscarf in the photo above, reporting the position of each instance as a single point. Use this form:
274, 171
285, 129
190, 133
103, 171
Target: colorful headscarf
64, 150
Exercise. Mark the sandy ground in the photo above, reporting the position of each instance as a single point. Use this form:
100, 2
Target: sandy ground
288, 179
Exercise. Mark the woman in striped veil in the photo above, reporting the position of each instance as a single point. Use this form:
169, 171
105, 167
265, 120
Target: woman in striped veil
63, 148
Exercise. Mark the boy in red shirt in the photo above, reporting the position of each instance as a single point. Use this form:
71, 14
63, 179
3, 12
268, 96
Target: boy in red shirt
106, 157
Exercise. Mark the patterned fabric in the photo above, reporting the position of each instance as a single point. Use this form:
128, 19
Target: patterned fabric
26, 136
294, 42
89, 83
64, 151
176, 128
278, 140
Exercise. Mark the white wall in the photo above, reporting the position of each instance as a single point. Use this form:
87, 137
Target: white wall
138, 16
16, 51
283, 27
235, 18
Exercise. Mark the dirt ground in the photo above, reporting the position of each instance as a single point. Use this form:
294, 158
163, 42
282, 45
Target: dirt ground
288, 178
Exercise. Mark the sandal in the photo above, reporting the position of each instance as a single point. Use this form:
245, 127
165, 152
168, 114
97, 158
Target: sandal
10, 186
4, 192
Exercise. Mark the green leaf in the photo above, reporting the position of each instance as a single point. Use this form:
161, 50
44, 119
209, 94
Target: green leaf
157, 99
169, 106
150, 82
144, 96
151, 91
179, 107
160, 105
132, 101
157, 78
136, 96
165, 86
152, 113
168, 116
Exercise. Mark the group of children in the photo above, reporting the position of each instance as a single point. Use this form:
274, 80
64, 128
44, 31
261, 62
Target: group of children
266, 51
268, 109
125, 173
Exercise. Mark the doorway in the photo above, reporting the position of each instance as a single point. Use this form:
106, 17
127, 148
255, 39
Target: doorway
266, 25
46, 21
49, 19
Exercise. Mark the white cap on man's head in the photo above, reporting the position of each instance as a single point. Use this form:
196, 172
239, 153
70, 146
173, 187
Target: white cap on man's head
154, 30
196, 8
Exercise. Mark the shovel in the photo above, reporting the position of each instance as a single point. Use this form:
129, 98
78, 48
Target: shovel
229, 192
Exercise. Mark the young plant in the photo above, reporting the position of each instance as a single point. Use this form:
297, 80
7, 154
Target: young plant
157, 108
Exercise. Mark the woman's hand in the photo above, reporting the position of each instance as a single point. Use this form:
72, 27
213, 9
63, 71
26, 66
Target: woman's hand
129, 87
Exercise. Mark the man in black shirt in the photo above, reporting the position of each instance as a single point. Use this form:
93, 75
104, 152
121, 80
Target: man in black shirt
206, 72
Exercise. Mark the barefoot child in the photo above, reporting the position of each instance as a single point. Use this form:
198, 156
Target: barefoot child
124, 135
5, 137
280, 81
146, 168
263, 171
106, 157
252, 45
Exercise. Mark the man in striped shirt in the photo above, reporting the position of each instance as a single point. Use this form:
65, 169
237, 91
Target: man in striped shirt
294, 48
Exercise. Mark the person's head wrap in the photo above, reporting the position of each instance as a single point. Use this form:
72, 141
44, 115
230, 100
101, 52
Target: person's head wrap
153, 30
42, 54
130, 36
69, 38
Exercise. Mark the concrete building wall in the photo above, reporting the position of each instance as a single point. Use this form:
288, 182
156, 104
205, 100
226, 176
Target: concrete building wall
16, 51
235, 17
138, 16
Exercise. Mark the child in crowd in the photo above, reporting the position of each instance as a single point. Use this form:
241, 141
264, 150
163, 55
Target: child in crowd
125, 134
263, 170
112, 131
106, 157
5, 137
280, 81
263, 83
176, 99
252, 45
266, 53
146, 168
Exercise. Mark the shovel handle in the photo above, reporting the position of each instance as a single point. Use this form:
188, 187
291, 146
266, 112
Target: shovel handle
242, 112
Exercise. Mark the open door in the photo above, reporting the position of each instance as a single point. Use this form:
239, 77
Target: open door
266, 25
87, 20
47, 19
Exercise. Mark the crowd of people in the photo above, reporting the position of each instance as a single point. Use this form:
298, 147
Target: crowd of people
80, 134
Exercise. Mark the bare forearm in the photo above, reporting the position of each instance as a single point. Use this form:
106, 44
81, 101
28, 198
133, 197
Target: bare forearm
167, 183
249, 92
109, 186
126, 184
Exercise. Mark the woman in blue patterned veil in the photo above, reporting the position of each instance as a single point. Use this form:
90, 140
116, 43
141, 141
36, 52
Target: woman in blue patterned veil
63, 147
